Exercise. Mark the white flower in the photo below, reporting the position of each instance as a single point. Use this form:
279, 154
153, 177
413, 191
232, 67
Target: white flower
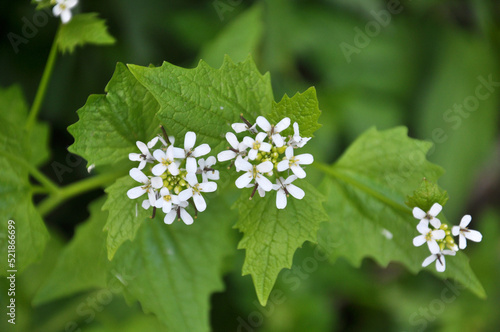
190, 153
207, 172
439, 258
286, 188
464, 233
296, 139
166, 159
195, 191
62, 8
429, 236
274, 131
254, 172
236, 149
166, 200
149, 185
293, 162
429, 216
180, 212
256, 145
144, 157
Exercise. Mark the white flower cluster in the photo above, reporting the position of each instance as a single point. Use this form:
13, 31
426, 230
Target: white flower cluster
63, 8
172, 180
262, 161
439, 237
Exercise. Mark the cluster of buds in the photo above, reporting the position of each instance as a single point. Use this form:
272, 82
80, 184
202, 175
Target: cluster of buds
173, 178
267, 158
439, 237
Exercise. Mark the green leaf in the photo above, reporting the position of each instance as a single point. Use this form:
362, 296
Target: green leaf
15, 188
366, 189
271, 236
207, 100
238, 39
302, 108
83, 29
426, 195
110, 124
83, 264
125, 215
173, 269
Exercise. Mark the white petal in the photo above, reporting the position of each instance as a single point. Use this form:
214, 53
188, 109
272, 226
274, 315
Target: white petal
152, 197
296, 129
243, 180
299, 171
145, 204
278, 140
263, 123
462, 242
280, 199
449, 252
226, 155
289, 152
156, 182
201, 150
186, 217
71, 3
265, 167
429, 260
143, 147
170, 217
305, 159
295, 191
465, 221
153, 142
473, 235
158, 203
438, 234
159, 169
455, 230
239, 127
159, 155
208, 187
185, 194
57, 10
138, 176
210, 161
260, 137
289, 180
433, 246
191, 179
199, 202
142, 164
418, 213
248, 141
435, 222
423, 227
283, 165
440, 264
191, 165
435, 209
135, 192
173, 168
243, 165
212, 175
167, 206
418, 240
189, 140
179, 153
266, 147
134, 157
264, 183
252, 154
66, 15
282, 125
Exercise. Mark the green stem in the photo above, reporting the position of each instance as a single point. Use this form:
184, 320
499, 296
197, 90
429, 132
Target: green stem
42, 88
75, 189
331, 171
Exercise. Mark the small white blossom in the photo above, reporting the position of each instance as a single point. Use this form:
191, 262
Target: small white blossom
439, 258
144, 157
274, 131
464, 233
206, 170
166, 159
63, 9
430, 216
190, 153
429, 236
236, 149
148, 185
284, 189
180, 212
254, 172
256, 145
293, 162
166, 200
195, 191
296, 139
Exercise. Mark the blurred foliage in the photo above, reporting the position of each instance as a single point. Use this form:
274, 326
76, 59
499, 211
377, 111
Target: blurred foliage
412, 71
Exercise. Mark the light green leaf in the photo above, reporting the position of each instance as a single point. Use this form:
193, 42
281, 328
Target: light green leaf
110, 124
173, 269
125, 215
426, 195
238, 39
83, 29
15, 188
271, 236
366, 189
83, 264
207, 100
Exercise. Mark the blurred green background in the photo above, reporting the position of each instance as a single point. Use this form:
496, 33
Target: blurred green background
430, 65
